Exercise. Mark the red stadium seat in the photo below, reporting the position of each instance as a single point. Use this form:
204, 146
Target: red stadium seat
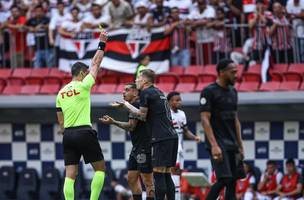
255, 69
108, 79
210, 69
251, 77
188, 79
120, 88
5, 73
127, 78
194, 70
18, 76
289, 86
200, 86
185, 87
11, 90
249, 86
178, 70
240, 72
302, 86
49, 89
55, 76
269, 86
30, 89
37, 76
206, 78
166, 87
276, 72
293, 76
105, 88
237, 85
167, 78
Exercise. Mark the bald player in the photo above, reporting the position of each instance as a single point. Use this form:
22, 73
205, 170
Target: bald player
74, 116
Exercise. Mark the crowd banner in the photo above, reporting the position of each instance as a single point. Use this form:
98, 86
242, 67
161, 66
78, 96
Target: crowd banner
124, 47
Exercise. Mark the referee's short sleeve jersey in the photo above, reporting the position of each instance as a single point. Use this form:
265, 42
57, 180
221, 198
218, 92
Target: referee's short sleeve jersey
73, 100
159, 119
221, 103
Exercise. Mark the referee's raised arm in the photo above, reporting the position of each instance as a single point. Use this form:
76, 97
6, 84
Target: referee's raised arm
99, 54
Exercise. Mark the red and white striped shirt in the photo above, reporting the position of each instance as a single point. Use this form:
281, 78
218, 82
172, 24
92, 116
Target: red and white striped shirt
281, 38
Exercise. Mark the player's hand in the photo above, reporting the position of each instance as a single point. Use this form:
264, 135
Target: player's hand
106, 119
103, 37
197, 139
117, 104
216, 153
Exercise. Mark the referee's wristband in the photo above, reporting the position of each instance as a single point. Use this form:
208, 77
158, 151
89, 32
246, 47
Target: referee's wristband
101, 46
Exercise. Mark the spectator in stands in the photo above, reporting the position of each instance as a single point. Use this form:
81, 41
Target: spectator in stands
96, 18
142, 19
291, 184
179, 30
200, 17
84, 7
70, 27
281, 35
56, 21
38, 25
16, 25
184, 6
160, 13
295, 10
4, 15
222, 43
246, 184
257, 24
269, 182
120, 12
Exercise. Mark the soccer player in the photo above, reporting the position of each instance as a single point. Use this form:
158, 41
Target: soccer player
155, 110
140, 164
218, 107
74, 116
180, 125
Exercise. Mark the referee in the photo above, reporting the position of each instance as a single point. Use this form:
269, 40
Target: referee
74, 116
218, 107
155, 110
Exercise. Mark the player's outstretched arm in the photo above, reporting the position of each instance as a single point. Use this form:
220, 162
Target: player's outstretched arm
190, 135
96, 61
128, 126
140, 114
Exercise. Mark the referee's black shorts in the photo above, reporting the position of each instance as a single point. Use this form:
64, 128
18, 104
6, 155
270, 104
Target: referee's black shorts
230, 167
81, 141
164, 153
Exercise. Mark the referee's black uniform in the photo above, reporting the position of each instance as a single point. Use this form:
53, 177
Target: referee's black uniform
221, 103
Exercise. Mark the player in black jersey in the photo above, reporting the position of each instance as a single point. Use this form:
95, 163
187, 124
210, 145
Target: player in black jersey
218, 107
139, 164
155, 110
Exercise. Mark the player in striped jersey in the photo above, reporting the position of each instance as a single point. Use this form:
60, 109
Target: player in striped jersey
180, 125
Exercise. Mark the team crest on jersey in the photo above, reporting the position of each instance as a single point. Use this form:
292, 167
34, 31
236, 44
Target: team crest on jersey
137, 41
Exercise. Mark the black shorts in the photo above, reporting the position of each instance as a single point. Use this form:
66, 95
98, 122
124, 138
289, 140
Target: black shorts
230, 167
81, 141
140, 160
164, 153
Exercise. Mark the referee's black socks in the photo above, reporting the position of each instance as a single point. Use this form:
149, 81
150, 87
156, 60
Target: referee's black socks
137, 196
216, 188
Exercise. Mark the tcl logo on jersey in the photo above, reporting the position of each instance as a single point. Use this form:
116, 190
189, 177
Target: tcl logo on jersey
69, 93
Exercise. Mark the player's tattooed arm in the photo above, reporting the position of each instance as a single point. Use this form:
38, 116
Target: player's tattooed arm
96, 61
128, 126
140, 113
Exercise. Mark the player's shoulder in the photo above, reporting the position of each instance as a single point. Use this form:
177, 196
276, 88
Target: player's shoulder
210, 88
136, 103
181, 112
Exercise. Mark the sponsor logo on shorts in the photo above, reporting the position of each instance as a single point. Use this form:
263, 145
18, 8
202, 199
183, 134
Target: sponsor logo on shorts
141, 158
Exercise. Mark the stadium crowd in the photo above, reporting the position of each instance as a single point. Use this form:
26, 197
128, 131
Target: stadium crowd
201, 31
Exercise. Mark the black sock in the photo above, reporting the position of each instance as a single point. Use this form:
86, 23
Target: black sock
137, 197
215, 190
170, 187
160, 185
150, 198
